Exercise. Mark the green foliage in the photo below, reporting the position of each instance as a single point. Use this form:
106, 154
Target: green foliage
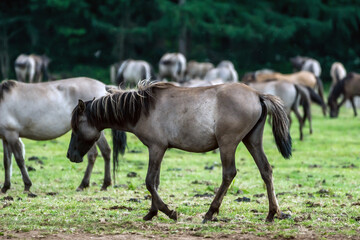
252, 34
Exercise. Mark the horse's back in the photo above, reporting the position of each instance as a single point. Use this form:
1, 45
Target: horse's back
42, 111
193, 119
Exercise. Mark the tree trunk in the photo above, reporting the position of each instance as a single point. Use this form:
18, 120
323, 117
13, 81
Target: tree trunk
4, 53
182, 37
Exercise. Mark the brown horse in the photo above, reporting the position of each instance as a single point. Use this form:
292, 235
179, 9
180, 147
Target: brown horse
349, 87
212, 117
304, 78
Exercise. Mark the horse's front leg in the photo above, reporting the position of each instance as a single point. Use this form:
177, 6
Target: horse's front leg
227, 154
156, 155
7, 166
92, 154
106, 153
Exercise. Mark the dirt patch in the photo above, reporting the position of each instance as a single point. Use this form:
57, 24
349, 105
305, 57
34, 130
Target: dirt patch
183, 236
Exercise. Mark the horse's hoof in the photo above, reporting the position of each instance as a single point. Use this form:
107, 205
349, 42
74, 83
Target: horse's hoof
284, 216
103, 188
149, 216
4, 190
80, 189
30, 194
173, 215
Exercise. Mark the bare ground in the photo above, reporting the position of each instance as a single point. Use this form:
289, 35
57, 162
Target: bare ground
179, 236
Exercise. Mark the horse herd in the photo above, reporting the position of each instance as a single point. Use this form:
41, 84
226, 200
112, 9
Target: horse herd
203, 108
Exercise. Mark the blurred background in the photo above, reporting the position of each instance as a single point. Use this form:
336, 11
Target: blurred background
84, 37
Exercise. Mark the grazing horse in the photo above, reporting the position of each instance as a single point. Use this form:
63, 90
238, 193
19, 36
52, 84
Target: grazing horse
292, 95
212, 117
224, 70
173, 66
196, 69
306, 64
337, 72
304, 78
130, 72
42, 111
31, 67
349, 87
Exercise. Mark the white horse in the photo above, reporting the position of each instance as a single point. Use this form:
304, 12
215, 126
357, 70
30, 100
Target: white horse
306, 64
291, 94
132, 71
42, 111
225, 70
31, 68
173, 67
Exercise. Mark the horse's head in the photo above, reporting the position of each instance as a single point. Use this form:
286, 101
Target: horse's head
297, 62
83, 135
334, 109
248, 77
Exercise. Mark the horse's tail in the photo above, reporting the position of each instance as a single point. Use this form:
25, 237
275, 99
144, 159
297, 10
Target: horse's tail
119, 145
305, 103
337, 75
315, 97
280, 123
120, 74
321, 93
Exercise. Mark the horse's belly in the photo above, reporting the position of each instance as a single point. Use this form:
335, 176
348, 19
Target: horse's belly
49, 126
193, 137
44, 133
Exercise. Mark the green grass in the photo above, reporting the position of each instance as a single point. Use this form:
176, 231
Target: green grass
318, 186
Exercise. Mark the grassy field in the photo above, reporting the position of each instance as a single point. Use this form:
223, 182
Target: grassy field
319, 186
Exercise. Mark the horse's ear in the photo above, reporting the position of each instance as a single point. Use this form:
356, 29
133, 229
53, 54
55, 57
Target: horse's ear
81, 106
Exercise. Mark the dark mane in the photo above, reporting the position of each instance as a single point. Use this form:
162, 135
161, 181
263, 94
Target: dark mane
338, 88
6, 86
121, 106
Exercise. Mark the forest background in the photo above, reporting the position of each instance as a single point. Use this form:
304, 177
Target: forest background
84, 37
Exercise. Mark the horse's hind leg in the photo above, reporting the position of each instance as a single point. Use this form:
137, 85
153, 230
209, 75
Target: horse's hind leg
253, 142
106, 153
227, 154
155, 157
353, 105
301, 122
7, 166
17, 148
92, 154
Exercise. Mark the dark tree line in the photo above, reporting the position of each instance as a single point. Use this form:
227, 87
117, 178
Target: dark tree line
86, 36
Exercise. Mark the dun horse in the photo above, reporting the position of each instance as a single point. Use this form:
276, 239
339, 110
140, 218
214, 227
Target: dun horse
349, 88
212, 117
31, 68
197, 69
42, 111
292, 95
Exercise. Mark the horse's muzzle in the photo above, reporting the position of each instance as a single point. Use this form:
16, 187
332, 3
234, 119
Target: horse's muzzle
76, 158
